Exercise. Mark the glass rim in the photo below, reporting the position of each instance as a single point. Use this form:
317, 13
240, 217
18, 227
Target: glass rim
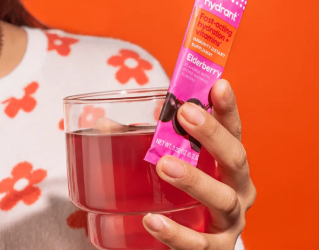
129, 95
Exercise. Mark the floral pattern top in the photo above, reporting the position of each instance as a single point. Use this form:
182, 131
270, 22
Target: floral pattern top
35, 210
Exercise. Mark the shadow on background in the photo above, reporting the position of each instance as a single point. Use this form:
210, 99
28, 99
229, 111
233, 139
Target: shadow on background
47, 230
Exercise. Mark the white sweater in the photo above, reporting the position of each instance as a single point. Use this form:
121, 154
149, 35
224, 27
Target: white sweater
35, 212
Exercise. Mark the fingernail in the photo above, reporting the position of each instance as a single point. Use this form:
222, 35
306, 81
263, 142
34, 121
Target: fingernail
154, 223
173, 168
193, 115
228, 94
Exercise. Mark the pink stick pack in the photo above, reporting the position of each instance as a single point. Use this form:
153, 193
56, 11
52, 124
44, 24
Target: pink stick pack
206, 46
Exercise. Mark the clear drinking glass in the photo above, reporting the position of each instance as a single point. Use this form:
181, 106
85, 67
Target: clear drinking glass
107, 137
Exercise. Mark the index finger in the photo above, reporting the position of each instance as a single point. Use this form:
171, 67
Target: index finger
225, 107
219, 142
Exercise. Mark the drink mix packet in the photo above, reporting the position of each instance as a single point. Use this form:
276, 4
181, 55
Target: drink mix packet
206, 46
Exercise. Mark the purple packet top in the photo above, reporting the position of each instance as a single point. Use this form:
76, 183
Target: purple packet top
200, 64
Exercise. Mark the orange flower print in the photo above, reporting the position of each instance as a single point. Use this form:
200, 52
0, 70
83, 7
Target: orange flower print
61, 44
27, 103
131, 66
90, 115
158, 110
78, 220
61, 125
21, 186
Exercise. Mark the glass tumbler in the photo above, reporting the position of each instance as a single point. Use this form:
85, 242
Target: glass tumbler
107, 137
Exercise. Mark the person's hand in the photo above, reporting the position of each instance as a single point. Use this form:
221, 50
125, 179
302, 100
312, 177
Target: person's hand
227, 200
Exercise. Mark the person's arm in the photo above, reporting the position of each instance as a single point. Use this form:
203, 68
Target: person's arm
227, 200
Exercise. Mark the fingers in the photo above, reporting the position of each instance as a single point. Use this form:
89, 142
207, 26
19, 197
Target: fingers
174, 235
219, 142
108, 126
225, 107
221, 199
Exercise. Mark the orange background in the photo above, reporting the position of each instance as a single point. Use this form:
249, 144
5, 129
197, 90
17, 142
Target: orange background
273, 69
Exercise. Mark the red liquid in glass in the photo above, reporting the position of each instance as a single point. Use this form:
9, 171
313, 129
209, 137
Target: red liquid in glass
109, 178
108, 174
128, 232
